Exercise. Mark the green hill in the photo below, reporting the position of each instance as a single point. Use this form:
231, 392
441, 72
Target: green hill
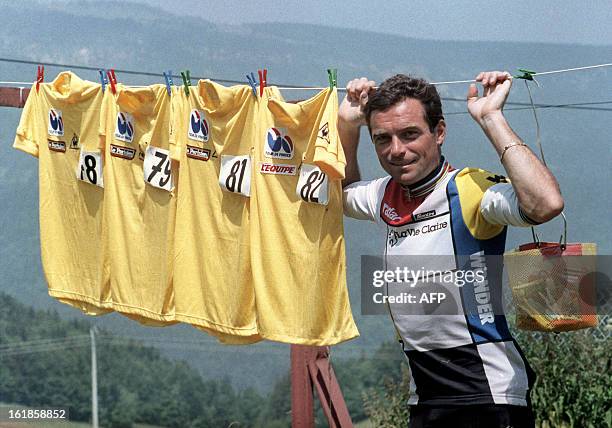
46, 361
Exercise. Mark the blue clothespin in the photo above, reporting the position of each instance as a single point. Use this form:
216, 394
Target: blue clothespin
253, 82
186, 81
103, 80
169, 82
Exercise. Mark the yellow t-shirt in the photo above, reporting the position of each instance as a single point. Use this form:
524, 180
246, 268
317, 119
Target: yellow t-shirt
212, 276
297, 243
59, 126
139, 217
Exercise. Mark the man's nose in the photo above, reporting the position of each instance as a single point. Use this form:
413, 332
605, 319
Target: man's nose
396, 149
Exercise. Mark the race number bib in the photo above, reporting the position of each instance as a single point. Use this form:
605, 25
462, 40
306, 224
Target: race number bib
157, 168
235, 175
90, 168
312, 185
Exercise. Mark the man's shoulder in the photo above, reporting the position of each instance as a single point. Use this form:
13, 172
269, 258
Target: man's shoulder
477, 180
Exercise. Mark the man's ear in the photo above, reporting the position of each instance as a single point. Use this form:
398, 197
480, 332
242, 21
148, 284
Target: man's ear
440, 133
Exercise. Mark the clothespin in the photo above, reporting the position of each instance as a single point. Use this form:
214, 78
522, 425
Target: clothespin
332, 74
103, 80
527, 74
112, 79
253, 83
169, 82
263, 80
186, 81
40, 76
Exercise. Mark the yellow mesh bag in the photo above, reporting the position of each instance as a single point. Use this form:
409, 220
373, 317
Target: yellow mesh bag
553, 285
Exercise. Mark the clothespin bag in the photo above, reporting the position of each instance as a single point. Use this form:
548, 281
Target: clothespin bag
553, 284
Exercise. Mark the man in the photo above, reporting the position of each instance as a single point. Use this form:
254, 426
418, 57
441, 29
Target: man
466, 369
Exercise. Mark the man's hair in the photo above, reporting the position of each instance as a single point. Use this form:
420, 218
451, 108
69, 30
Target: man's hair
400, 87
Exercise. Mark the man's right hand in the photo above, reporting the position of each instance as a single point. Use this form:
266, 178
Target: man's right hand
350, 119
350, 113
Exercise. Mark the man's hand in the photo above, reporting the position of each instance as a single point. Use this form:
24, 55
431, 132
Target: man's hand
496, 85
351, 108
350, 120
536, 188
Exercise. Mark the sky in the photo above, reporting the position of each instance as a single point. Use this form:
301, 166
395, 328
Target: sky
560, 21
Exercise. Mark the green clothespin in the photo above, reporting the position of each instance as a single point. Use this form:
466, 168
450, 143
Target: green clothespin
332, 74
186, 81
527, 74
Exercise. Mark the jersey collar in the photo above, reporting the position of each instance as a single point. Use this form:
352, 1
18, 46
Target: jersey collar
427, 184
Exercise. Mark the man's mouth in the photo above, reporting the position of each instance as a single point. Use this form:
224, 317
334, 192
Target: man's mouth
402, 163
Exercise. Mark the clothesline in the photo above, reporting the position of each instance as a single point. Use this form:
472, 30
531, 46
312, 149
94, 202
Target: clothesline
280, 86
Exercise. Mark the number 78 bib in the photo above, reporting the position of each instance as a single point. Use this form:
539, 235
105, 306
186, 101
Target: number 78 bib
90, 168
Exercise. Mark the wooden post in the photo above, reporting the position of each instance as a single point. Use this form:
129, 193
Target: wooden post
13, 97
302, 405
310, 367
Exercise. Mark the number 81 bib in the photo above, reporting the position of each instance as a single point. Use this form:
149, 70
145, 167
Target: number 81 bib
235, 174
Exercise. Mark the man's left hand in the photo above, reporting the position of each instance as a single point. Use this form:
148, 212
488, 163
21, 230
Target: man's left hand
496, 87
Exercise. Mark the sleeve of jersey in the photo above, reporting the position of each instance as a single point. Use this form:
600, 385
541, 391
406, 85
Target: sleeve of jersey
219, 99
500, 205
362, 199
329, 155
472, 185
25, 139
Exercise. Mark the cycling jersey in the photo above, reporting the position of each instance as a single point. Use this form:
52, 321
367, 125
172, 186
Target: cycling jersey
464, 353
58, 126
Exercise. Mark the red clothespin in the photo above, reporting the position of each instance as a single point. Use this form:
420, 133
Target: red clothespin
112, 79
40, 76
263, 77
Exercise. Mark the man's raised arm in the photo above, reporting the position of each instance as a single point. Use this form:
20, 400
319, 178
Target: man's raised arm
350, 120
535, 186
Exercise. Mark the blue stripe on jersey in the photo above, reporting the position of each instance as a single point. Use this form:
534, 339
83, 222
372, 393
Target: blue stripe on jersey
481, 299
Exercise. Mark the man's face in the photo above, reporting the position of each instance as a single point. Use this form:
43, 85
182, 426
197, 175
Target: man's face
405, 146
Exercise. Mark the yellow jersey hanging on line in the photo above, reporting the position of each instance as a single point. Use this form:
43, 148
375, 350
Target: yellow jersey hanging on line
212, 277
139, 203
297, 241
59, 126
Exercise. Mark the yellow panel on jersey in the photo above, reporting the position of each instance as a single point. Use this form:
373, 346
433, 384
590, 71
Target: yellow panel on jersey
471, 185
212, 275
59, 126
297, 243
139, 216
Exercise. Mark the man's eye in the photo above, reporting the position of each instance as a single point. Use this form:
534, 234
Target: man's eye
381, 140
409, 135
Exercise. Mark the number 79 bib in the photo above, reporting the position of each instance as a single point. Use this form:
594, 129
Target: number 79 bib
157, 168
